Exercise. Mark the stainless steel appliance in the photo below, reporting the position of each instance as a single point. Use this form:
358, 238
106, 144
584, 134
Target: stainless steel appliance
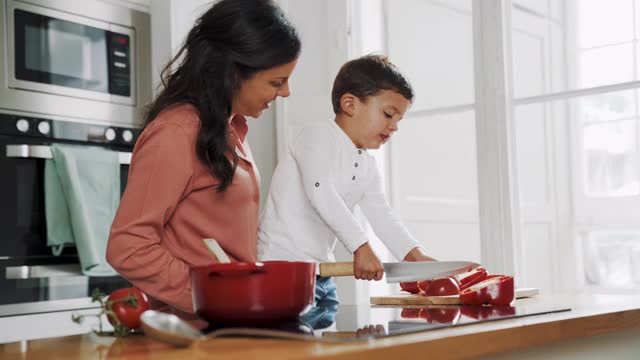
29, 272
84, 59
71, 71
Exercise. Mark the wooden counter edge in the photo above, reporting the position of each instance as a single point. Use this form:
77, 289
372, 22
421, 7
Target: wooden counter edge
494, 341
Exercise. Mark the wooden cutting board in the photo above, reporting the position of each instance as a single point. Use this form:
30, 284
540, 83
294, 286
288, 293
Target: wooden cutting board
411, 299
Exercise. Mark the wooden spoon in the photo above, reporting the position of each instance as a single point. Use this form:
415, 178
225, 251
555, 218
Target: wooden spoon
216, 250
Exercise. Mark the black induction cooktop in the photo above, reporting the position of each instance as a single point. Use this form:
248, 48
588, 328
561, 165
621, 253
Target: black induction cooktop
362, 322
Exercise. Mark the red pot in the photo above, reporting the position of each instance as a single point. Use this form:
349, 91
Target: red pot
252, 294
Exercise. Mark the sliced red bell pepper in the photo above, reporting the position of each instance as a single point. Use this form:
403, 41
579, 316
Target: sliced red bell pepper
423, 285
475, 277
477, 312
410, 313
423, 314
482, 312
492, 276
410, 287
497, 290
441, 315
442, 287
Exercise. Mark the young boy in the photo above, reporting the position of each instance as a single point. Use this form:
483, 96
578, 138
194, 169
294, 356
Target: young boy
328, 171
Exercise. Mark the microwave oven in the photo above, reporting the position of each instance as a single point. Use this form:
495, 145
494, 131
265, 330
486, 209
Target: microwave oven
80, 59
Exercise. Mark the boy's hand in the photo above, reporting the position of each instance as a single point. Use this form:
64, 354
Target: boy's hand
366, 265
417, 254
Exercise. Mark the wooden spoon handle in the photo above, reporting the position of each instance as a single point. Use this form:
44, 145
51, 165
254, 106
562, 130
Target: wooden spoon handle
216, 250
336, 269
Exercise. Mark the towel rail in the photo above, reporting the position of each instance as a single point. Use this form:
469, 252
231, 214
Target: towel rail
44, 152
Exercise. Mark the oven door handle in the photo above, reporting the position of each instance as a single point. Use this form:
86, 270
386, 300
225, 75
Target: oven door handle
42, 271
44, 152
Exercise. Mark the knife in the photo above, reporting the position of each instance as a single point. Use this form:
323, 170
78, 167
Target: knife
404, 271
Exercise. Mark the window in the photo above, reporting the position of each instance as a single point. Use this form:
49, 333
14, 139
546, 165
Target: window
575, 107
575, 71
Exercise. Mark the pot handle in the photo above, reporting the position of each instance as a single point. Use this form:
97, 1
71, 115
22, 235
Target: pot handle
244, 270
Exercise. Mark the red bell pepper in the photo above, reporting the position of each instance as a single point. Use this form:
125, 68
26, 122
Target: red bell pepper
442, 287
423, 285
410, 287
475, 277
410, 313
441, 315
497, 290
481, 312
477, 312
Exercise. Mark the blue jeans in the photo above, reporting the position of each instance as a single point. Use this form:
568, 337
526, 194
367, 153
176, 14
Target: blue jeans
323, 313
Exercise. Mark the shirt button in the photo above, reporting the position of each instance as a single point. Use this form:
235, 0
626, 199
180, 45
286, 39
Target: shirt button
359, 151
353, 178
317, 184
356, 165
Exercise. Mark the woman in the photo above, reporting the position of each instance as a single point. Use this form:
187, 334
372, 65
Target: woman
192, 175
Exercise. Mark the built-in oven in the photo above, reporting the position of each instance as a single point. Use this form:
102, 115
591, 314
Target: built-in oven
73, 72
29, 272
85, 59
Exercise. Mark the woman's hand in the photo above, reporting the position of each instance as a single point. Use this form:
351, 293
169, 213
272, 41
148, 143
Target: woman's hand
366, 265
417, 254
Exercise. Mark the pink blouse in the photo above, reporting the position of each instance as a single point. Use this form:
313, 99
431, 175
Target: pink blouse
170, 204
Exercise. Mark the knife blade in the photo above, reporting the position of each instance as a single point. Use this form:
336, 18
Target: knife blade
404, 271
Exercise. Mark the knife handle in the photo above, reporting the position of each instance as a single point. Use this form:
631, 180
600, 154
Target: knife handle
344, 268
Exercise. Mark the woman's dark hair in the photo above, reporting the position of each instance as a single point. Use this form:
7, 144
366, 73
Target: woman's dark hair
229, 43
367, 76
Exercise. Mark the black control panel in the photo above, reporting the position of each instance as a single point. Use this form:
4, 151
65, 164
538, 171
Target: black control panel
118, 46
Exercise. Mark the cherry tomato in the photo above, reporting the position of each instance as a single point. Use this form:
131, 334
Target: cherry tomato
442, 287
121, 302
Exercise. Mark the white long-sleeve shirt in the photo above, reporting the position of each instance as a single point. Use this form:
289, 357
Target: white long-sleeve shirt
313, 193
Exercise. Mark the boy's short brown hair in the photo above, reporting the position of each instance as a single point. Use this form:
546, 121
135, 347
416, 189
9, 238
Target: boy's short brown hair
367, 76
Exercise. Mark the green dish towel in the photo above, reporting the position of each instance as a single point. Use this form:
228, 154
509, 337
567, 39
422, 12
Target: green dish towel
82, 193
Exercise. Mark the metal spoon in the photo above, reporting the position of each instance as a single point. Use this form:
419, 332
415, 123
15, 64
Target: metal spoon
171, 329
168, 328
